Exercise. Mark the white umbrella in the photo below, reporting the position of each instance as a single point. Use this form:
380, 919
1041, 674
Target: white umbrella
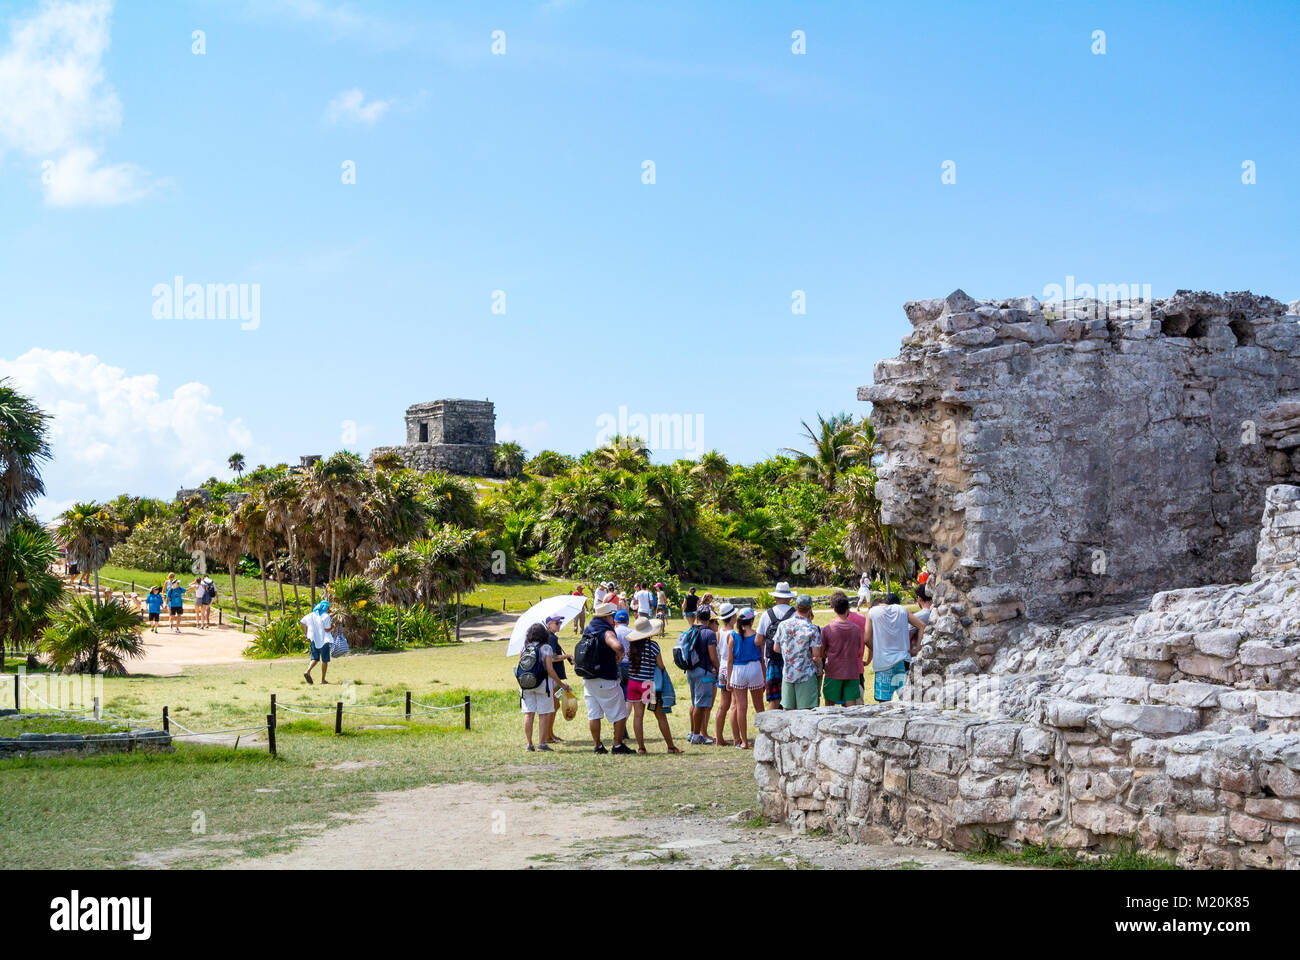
566, 605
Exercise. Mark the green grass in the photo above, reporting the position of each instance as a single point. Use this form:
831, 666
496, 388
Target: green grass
146, 802
992, 850
13, 726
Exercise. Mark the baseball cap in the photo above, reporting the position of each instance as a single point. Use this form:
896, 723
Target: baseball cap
620, 617
747, 613
803, 600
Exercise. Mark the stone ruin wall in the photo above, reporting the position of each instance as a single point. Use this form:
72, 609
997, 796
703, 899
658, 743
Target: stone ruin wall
1117, 633
1051, 458
461, 438
1171, 725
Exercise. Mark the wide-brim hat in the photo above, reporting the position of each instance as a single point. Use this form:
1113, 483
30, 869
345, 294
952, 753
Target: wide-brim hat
726, 611
644, 627
783, 591
604, 609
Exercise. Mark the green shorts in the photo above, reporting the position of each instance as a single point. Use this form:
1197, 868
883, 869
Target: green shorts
802, 695
841, 691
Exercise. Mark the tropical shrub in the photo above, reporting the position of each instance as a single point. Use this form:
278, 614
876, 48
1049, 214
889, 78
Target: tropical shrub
420, 628
282, 637
627, 563
87, 636
352, 609
154, 545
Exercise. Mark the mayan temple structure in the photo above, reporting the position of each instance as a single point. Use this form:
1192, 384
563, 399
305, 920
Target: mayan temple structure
456, 436
1107, 496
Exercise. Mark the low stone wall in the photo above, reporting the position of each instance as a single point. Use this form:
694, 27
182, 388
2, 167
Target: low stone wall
54, 744
918, 775
466, 459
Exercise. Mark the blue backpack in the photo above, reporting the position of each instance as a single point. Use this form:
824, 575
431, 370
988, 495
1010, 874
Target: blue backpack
531, 669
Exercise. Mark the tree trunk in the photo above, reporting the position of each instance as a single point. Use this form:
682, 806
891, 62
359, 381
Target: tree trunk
279, 579
399, 628
266, 597
458, 616
97, 586
234, 591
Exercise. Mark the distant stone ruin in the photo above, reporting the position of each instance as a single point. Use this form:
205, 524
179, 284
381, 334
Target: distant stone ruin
455, 436
1115, 647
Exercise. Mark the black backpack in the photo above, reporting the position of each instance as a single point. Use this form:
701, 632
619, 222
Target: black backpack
772, 623
531, 669
592, 658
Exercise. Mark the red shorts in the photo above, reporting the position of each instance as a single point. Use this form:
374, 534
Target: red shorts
640, 690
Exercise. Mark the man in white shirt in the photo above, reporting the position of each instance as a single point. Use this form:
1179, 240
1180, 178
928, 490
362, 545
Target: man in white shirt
778, 613
317, 626
645, 601
893, 638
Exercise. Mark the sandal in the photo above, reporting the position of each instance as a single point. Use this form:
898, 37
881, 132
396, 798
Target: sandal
307, 677
676, 750
641, 750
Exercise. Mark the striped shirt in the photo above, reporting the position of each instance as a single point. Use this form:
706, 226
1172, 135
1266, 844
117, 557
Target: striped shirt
649, 657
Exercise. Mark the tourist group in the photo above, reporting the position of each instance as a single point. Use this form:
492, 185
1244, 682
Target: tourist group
777, 659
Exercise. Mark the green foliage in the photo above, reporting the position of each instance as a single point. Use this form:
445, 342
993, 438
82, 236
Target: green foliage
420, 628
627, 563
88, 636
155, 545
353, 609
281, 637
548, 463
29, 592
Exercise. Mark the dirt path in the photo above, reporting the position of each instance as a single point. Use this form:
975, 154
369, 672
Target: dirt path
167, 654
497, 826
494, 626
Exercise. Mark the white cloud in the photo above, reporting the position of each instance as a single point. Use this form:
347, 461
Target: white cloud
350, 106
115, 433
76, 180
531, 436
55, 101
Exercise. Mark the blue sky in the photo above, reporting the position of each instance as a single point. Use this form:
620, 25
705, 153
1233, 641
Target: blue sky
522, 172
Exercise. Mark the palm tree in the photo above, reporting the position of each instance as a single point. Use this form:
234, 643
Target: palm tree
711, 472
674, 495
870, 543
23, 445
509, 459
622, 453
89, 637
283, 505
394, 573
259, 536
29, 590
830, 443
236, 464
336, 487
548, 463
449, 499
87, 532
577, 513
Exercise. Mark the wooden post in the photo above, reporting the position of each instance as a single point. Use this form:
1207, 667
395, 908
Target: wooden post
270, 732
167, 726
273, 708
97, 716
408, 704
338, 718
503, 606
467, 711
17, 704
218, 616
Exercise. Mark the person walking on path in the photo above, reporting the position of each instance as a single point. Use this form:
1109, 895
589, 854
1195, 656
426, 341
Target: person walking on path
690, 603
798, 643
644, 656
154, 604
200, 600
722, 624
596, 660
772, 618
175, 602
538, 682
210, 594
558, 657
864, 591
843, 642
747, 672
661, 607
889, 645
316, 625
